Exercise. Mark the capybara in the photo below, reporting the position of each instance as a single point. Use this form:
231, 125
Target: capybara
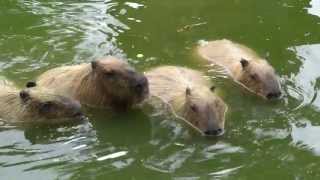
108, 82
243, 65
190, 96
36, 105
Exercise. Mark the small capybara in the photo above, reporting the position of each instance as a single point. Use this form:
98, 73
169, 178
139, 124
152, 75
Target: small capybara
243, 65
36, 105
108, 82
189, 94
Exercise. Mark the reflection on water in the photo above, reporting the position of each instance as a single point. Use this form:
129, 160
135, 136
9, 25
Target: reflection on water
89, 25
315, 7
307, 79
224, 173
62, 32
34, 148
305, 135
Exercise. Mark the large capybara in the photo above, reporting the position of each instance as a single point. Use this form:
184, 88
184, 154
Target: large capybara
189, 95
36, 105
108, 82
243, 65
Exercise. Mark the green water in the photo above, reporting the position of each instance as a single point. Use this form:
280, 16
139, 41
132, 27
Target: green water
264, 140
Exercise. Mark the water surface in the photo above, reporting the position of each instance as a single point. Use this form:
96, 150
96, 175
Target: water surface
264, 140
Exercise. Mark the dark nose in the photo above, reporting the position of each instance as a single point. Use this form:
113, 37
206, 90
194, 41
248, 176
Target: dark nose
141, 84
273, 95
215, 132
79, 115
76, 109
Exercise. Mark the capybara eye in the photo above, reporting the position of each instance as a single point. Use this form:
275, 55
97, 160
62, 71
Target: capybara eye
46, 107
253, 76
194, 108
110, 73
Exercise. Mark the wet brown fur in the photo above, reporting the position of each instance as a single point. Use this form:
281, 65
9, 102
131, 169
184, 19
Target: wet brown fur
92, 87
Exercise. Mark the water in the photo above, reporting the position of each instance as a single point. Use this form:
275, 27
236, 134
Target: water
264, 140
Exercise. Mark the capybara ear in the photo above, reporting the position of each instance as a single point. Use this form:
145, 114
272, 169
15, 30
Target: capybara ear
24, 95
188, 91
31, 84
244, 62
212, 88
94, 64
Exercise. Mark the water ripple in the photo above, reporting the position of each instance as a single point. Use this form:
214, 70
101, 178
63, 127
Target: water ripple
306, 81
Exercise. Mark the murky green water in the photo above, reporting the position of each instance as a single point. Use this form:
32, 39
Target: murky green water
264, 140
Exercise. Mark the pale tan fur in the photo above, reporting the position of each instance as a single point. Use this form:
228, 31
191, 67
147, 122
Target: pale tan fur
228, 54
169, 83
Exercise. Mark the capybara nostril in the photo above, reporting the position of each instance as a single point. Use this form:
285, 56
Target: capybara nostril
219, 131
273, 95
215, 132
79, 115
207, 132
141, 85
139, 88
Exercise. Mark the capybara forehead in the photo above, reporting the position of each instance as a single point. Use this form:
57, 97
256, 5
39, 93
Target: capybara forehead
261, 68
112, 62
44, 95
204, 99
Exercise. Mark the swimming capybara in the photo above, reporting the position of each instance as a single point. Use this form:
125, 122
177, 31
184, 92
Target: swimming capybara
243, 65
36, 105
189, 95
108, 82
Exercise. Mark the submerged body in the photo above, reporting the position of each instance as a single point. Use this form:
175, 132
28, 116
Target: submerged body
36, 105
189, 95
243, 65
108, 82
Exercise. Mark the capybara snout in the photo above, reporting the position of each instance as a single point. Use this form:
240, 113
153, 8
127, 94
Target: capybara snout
74, 108
140, 85
273, 95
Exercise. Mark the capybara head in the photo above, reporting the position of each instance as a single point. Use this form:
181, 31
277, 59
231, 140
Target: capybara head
43, 106
205, 110
260, 78
121, 80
